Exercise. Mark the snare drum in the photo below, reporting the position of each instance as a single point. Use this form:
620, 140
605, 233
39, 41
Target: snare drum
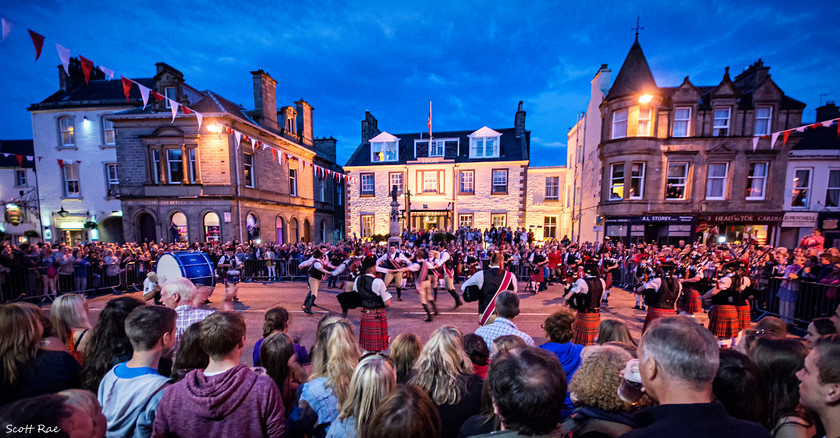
195, 266
233, 276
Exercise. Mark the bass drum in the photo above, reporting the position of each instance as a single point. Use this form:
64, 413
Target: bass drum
195, 266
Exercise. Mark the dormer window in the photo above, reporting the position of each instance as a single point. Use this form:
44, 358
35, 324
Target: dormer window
384, 148
485, 143
169, 93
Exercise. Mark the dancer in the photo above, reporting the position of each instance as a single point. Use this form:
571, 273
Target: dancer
373, 331
391, 264
585, 297
423, 281
317, 269
447, 263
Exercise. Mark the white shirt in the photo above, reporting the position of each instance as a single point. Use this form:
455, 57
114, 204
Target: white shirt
656, 283
397, 256
478, 280
378, 288
580, 286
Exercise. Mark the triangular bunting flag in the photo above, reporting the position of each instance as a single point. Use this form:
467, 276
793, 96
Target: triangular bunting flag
199, 117
64, 56
254, 144
108, 72
38, 41
838, 127
755, 143
815, 125
60, 163
273, 155
773, 139
185, 110
126, 87
174, 107
157, 95
78, 161
20, 160
300, 166
40, 158
800, 129
785, 136
826, 123
87, 67
6, 155
237, 137
144, 93
7, 28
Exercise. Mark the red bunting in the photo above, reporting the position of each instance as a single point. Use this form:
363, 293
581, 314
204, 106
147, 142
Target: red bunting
273, 155
838, 127
157, 95
87, 67
126, 87
20, 160
40, 158
38, 40
785, 136
60, 163
186, 110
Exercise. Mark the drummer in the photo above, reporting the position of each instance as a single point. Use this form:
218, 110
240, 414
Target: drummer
227, 261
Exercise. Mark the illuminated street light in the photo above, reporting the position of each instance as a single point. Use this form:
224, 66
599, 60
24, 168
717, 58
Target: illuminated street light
645, 98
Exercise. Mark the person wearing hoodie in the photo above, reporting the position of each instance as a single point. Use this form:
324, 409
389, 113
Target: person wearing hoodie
130, 392
226, 398
559, 331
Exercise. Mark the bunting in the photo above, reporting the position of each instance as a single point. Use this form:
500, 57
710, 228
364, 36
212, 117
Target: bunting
108, 72
237, 137
87, 67
126, 82
174, 107
20, 160
786, 133
144, 93
7, 28
773, 139
64, 56
38, 41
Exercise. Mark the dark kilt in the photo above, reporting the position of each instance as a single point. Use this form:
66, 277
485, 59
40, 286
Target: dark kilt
744, 320
538, 276
723, 321
691, 302
655, 313
373, 332
586, 328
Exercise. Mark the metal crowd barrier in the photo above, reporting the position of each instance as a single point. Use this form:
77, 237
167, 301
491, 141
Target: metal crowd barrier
34, 284
814, 300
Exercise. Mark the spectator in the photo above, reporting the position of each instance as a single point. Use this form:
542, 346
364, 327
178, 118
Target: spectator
180, 294
817, 328
558, 329
86, 401
405, 349
677, 362
613, 330
48, 339
444, 371
190, 356
788, 292
504, 344
282, 366
277, 321
819, 383
108, 344
373, 380
407, 413
772, 327
60, 412
507, 306
737, 386
835, 318
226, 398
69, 315
130, 392
28, 370
479, 354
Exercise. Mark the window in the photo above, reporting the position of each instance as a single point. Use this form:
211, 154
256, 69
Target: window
637, 181
757, 181
552, 188
484, 147
112, 179
801, 188
323, 186
619, 124
682, 121
71, 180
248, 167
396, 181
191, 167
212, 230
366, 185
20, 177
67, 130
644, 122
175, 159
762, 120
178, 228
437, 149
339, 195
367, 225
721, 127
498, 220
550, 227
108, 135
169, 92
676, 182
716, 181
156, 166
383, 151
467, 184
500, 181
832, 193
430, 181
617, 182
465, 220
293, 182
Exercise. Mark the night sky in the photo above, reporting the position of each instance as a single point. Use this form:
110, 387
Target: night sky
474, 60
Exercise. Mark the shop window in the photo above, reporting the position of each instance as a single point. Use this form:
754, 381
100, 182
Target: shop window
676, 182
801, 188
212, 229
757, 181
178, 228
617, 182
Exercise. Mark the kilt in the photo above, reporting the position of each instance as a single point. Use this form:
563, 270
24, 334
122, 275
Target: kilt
537, 277
373, 332
654, 313
723, 321
744, 320
586, 328
691, 302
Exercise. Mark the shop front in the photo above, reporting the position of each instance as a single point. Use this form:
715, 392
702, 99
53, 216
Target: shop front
739, 227
829, 222
795, 226
658, 229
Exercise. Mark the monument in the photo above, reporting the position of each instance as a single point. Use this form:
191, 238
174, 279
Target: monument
394, 230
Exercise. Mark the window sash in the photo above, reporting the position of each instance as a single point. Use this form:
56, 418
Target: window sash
437, 148
156, 166
383, 151
721, 123
676, 181
619, 124
366, 185
498, 220
644, 122
682, 121
71, 181
174, 159
396, 180
832, 193
757, 181
465, 220
108, 133
801, 188
293, 182
430, 181
467, 181
617, 182
550, 227
68, 131
552, 188
248, 169
169, 93
637, 181
500, 180
367, 225
113, 179
716, 180
20, 178
763, 115
191, 165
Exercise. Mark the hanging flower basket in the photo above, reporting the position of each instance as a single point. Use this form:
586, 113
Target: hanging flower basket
91, 225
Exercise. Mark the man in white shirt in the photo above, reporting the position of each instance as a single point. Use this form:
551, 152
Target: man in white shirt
391, 264
373, 330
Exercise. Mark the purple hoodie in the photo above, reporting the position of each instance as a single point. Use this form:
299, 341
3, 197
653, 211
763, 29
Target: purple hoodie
237, 403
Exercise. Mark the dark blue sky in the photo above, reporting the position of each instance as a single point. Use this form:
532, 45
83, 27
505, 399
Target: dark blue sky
474, 60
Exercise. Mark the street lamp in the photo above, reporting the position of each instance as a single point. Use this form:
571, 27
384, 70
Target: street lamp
63, 212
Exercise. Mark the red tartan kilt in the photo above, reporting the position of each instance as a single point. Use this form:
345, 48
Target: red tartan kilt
538, 277
373, 331
608, 279
723, 321
586, 328
744, 320
655, 313
691, 304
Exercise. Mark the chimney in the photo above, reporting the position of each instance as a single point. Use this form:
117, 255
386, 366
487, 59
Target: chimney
602, 80
265, 100
519, 121
369, 127
304, 121
827, 112
326, 147
76, 78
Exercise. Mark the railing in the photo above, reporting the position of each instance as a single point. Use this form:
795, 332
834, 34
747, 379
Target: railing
814, 300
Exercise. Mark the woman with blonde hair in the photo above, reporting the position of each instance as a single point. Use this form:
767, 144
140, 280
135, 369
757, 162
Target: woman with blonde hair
404, 352
69, 316
445, 372
613, 330
373, 380
334, 357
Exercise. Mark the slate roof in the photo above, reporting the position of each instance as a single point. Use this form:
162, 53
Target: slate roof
16, 147
98, 92
512, 148
820, 138
634, 76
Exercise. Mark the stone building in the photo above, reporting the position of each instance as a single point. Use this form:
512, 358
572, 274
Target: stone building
548, 205
21, 220
679, 163
179, 182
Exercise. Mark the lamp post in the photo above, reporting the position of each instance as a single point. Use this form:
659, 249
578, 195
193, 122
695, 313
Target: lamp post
408, 209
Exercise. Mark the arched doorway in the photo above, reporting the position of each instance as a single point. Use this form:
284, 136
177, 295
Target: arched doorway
252, 224
212, 229
323, 231
280, 225
307, 231
178, 231
146, 228
293, 231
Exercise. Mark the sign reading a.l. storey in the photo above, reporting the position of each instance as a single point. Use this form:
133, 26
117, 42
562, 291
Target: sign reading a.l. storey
800, 219
666, 218
746, 218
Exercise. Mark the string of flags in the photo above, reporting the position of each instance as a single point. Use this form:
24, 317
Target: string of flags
64, 54
786, 133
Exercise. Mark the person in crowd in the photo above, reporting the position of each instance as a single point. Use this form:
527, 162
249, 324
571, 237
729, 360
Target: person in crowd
663, 291
49, 341
408, 412
27, 369
151, 288
373, 329
594, 388
334, 357
181, 294
189, 356
86, 402
788, 292
491, 282
445, 372
819, 383
507, 307
108, 344
226, 398
738, 386
373, 380
131, 391
478, 352
277, 321
778, 360
817, 328
282, 366
404, 352
773, 327
613, 330
558, 330
835, 318
69, 316
504, 344
585, 297
724, 321
61, 412
814, 241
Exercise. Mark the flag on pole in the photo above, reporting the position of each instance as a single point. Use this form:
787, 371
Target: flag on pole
430, 124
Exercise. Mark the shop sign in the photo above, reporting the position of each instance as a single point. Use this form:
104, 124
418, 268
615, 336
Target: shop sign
745, 218
14, 214
800, 220
667, 218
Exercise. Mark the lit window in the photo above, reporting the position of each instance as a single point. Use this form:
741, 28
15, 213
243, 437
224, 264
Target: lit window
20, 178
550, 227
366, 186
498, 220
619, 124
67, 129
465, 220
175, 159
676, 182
248, 166
178, 228
467, 181
832, 193
108, 135
112, 178
682, 121
212, 230
500, 181
71, 181
637, 181
716, 181
430, 181
617, 182
757, 181
293, 189
396, 181
552, 188
644, 122
367, 225
721, 127
801, 188
762, 120
384, 151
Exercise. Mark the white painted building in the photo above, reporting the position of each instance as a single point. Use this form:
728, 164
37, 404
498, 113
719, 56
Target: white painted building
548, 206
18, 193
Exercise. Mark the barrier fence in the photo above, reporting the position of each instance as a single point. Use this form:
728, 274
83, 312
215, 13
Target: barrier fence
813, 300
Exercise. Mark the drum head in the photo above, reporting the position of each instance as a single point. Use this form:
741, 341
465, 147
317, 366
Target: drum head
196, 266
168, 268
